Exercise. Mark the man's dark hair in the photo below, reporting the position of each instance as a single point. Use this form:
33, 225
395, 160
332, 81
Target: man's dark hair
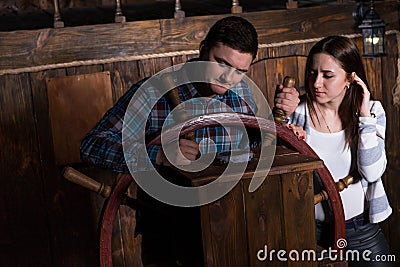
233, 31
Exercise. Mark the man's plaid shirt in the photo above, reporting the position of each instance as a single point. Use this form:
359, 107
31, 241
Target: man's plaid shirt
103, 145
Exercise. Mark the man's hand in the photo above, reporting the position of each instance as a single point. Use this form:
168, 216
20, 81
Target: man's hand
182, 154
287, 99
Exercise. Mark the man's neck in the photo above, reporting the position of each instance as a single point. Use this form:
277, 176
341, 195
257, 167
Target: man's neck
204, 89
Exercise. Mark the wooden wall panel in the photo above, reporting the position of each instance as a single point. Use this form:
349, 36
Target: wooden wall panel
392, 141
301, 67
76, 104
123, 76
227, 224
24, 218
276, 70
297, 209
375, 81
72, 224
257, 74
83, 69
267, 218
44, 214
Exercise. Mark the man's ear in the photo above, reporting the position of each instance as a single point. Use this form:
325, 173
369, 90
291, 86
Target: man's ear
203, 53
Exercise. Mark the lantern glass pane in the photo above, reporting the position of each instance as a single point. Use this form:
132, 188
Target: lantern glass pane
373, 41
368, 48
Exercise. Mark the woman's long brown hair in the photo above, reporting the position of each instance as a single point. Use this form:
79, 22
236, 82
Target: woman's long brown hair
346, 53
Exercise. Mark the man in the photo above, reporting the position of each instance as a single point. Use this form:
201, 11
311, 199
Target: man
231, 44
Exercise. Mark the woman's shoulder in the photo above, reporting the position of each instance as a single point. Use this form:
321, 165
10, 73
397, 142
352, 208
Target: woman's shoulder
298, 117
301, 108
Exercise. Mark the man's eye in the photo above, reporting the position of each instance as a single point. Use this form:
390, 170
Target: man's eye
224, 67
239, 72
222, 64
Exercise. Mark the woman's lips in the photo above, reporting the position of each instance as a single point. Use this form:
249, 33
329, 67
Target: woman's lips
318, 93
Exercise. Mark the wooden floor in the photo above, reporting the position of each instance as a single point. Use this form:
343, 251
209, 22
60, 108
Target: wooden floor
11, 20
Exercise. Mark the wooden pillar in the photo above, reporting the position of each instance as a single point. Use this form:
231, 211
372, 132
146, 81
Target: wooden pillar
58, 23
291, 4
236, 8
179, 13
119, 17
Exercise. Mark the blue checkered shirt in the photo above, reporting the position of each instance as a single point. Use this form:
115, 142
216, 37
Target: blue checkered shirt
103, 145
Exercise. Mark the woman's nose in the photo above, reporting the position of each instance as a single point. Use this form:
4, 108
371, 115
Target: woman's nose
318, 81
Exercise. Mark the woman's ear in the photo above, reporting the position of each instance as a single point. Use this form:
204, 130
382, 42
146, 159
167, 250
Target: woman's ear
352, 77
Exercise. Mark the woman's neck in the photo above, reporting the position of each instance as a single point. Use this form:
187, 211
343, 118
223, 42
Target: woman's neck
326, 118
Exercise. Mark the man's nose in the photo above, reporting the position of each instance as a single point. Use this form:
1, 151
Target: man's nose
229, 75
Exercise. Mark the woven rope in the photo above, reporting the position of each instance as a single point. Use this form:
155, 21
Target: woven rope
158, 55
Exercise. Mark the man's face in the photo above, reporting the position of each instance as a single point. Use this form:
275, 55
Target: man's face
230, 70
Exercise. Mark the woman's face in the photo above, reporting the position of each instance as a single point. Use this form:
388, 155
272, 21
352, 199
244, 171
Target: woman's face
327, 79
230, 70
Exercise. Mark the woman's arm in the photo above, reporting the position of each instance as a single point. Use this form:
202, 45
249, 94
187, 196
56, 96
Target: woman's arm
371, 156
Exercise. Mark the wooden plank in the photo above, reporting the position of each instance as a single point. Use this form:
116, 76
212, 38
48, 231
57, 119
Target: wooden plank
162, 63
284, 161
75, 106
257, 75
270, 220
146, 67
108, 42
43, 46
24, 235
373, 65
390, 227
84, 69
392, 142
276, 70
209, 259
298, 212
301, 67
227, 221
264, 220
123, 76
66, 203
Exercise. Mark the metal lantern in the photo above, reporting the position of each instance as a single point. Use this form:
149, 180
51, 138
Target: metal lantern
373, 34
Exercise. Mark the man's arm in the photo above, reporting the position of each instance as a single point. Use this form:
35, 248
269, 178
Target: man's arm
102, 146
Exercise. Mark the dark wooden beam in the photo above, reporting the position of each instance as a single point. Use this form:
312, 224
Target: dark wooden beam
27, 49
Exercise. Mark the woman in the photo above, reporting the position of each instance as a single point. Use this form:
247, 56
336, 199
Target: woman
346, 128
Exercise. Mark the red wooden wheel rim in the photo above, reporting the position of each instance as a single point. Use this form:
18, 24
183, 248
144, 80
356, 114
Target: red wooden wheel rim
108, 219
